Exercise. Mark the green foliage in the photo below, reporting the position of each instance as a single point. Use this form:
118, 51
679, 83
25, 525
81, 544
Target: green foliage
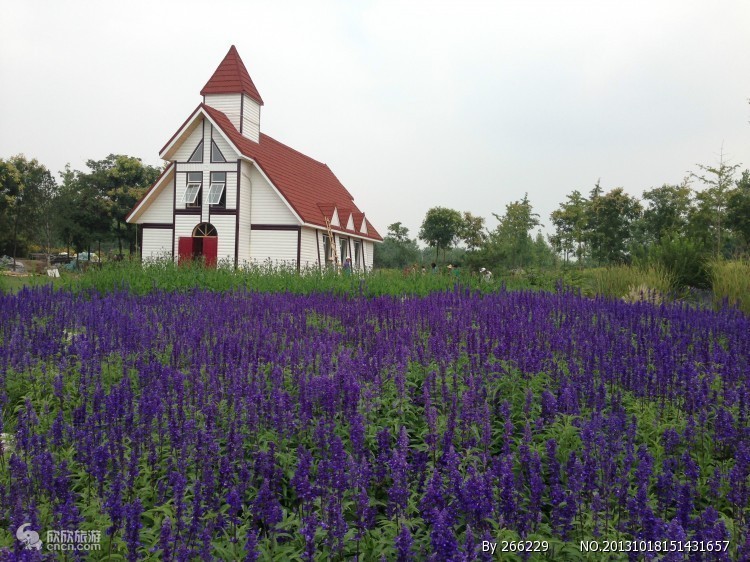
738, 214
569, 221
440, 228
93, 205
397, 250
667, 212
611, 218
472, 231
26, 188
684, 259
510, 244
711, 212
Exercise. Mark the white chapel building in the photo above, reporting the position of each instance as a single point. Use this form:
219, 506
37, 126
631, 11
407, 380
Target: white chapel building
233, 195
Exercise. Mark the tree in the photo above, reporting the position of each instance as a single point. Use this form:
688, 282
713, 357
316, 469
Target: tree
440, 228
738, 215
82, 211
397, 249
510, 243
472, 231
25, 187
570, 227
713, 200
668, 211
611, 218
121, 180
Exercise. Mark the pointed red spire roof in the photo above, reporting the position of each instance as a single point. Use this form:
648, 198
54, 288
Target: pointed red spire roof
231, 77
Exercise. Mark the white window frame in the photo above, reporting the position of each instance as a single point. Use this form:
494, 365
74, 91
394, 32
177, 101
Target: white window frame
214, 192
196, 187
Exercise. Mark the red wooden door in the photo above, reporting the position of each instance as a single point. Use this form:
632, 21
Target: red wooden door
210, 250
185, 249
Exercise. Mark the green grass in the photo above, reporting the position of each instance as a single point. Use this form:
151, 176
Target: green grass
166, 276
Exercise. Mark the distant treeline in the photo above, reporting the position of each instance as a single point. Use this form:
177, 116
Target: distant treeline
678, 226
38, 214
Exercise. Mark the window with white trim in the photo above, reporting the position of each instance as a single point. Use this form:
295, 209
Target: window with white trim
216, 155
191, 195
217, 189
197, 155
357, 254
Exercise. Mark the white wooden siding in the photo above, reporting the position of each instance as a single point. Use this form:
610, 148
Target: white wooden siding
277, 246
157, 243
185, 150
184, 226
229, 104
243, 254
266, 206
204, 194
309, 249
250, 119
231, 189
224, 225
159, 208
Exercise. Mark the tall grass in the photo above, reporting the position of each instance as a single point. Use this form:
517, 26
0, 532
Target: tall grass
730, 282
629, 282
166, 276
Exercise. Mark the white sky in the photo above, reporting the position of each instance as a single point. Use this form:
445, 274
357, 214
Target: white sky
412, 104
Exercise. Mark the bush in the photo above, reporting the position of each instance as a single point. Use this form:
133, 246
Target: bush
685, 260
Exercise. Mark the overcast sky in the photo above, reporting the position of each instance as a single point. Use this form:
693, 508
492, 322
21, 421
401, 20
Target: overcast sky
412, 104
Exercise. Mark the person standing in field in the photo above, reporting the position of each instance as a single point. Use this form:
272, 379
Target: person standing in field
348, 266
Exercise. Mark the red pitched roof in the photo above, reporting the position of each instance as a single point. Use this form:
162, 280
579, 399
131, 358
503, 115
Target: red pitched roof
231, 77
308, 185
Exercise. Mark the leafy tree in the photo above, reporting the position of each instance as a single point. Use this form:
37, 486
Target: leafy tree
738, 215
440, 228
668, 211
397, 249
83, 213
472, 231
711, 211
25, 187
510, 244
570, 227
121, 180
611, 218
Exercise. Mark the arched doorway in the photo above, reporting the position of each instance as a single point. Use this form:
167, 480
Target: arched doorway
203, 244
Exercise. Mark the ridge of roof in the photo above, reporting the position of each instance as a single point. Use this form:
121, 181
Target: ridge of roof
305, 183
231, 77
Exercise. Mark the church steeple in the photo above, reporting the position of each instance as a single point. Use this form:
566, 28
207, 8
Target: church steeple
231, 77
231, 90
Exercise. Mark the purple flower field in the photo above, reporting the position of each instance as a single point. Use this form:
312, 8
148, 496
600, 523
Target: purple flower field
258, 426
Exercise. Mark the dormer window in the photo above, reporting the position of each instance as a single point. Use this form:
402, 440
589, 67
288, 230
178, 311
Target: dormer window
217, 191
191, 196
197, 155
